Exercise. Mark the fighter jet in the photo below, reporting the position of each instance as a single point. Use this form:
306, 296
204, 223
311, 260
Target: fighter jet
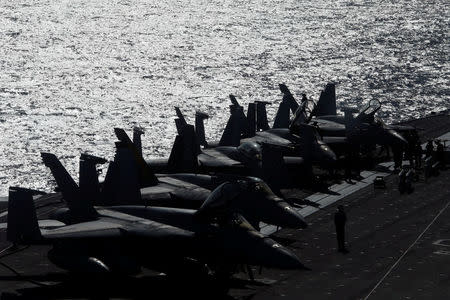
130, 181
249, 158
104, 240
305, 142
365, 128
264, 161
248, 134
227, 199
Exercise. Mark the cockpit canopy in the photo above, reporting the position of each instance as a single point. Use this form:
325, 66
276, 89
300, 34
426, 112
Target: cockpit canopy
367, 112
250, 150
370, 108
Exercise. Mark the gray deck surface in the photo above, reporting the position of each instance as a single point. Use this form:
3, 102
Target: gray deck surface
382, 225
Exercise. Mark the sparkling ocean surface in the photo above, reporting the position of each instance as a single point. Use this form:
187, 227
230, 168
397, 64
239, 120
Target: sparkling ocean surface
73, 70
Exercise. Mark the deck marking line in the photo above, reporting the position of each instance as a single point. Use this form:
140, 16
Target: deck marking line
407, 250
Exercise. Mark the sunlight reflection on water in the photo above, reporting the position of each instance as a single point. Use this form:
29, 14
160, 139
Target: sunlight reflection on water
73, 70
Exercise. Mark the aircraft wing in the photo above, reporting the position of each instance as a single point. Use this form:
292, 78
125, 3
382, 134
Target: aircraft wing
92, 229
272, 139
141, 227
43, 224
136, 227
216, 159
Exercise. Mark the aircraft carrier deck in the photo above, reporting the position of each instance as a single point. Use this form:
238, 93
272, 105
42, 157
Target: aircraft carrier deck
399, 249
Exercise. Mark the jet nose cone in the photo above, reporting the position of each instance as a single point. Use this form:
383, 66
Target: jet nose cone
396, 138
329, 155
291, 218
281, 257
324, 155
278, 212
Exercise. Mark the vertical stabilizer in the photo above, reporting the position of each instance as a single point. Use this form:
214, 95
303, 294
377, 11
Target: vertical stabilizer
288, 97
327, 101
137, 132
179, 124
251, 119
282, 116
88, 182
22, 221
81, 208
180, 115
232, 134
122, 184
261, 115
183, 156
234, 101
200, 127
238, 110
146, 175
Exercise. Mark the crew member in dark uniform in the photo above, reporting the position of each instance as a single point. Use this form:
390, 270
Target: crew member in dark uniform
339, 220
418, 154
429, 149
440, 154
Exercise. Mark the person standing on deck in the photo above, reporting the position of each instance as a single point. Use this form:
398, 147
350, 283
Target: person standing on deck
429, 149
340, 219
440, 156
418, 154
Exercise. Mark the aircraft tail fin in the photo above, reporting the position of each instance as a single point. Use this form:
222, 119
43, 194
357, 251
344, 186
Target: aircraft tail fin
81, 208
180, 121
237, 125
88, 182
327, 101
23, 226
183, 157
234, 100
122, 184
261, 115
251, 119
180, 115
179, 125
146, 175
200, 127
137, 142
288, 97
232, 134
238, 110
282, 116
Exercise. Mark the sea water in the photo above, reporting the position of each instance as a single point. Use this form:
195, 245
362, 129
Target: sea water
72, 70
